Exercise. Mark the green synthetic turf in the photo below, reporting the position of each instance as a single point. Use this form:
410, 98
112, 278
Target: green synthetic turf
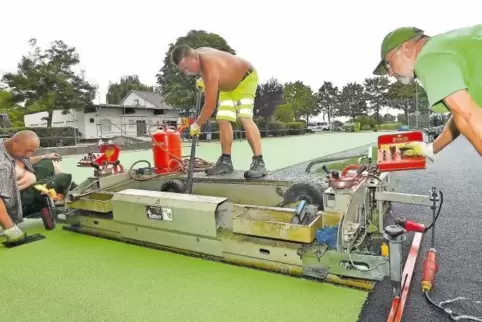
73, 277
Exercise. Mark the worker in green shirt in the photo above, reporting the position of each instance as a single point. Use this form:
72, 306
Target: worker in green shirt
449, 67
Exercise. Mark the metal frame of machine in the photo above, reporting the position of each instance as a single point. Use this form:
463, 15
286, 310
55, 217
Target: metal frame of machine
271, 223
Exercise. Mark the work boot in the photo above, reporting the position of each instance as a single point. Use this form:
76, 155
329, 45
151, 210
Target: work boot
222, 166
257, 169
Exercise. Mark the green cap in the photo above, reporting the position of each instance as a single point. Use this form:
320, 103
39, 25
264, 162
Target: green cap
393, 40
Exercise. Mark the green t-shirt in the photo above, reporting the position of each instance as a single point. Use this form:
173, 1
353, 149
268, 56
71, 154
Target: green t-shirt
451, 62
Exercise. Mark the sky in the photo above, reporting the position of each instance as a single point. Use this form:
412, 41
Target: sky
298, 40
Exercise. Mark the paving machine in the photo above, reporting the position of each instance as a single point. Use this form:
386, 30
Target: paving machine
325, 225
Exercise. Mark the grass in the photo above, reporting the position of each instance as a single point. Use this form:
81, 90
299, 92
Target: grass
69, 276
342, 164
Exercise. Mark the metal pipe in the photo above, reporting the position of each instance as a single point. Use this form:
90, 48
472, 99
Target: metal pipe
395, 258
331, 159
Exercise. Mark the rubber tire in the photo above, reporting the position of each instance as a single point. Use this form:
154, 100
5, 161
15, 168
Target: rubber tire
312, 193
176, 186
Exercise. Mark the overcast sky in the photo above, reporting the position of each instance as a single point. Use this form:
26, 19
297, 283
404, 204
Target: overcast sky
299, 40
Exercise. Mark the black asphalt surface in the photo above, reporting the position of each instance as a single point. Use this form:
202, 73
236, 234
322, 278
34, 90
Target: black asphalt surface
458, 173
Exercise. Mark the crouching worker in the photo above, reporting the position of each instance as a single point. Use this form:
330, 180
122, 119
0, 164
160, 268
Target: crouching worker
18, 176
19, 147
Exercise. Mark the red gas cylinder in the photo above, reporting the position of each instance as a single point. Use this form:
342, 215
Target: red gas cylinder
167, 150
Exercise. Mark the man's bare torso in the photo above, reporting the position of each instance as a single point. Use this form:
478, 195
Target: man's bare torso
230, 68
24, 177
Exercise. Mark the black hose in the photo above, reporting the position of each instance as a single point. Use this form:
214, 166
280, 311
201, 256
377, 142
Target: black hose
438, 212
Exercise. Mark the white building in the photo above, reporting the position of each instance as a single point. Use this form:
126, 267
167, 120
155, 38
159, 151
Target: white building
132, 117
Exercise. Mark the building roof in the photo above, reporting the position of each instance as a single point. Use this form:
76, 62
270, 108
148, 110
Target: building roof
155, 99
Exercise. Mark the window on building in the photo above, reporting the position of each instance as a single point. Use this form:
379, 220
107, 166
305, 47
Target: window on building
132, 124
91, 120
159, 112
128, 110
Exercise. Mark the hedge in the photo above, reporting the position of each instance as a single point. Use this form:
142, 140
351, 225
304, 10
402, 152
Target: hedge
382, 127
49, 136
273, 128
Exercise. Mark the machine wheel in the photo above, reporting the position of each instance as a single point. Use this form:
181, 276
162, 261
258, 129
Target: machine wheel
311, 193
176, 186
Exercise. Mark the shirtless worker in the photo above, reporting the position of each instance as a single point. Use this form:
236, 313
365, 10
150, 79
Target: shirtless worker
236, 80
449, 66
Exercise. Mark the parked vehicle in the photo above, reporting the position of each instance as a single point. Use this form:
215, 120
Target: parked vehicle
318, 126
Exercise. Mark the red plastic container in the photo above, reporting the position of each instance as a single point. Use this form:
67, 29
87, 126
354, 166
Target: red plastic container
390, 158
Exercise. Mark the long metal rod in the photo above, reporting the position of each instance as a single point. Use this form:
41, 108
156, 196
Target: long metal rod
192, 159
406, 198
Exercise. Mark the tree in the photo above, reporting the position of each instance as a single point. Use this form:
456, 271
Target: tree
301, 98
353, 101
408, 98
388, 118
402, 118
366, 120
118, 91
376, 91
268, 96
179, 90
328, 99
284, 113
7, 106
45, 80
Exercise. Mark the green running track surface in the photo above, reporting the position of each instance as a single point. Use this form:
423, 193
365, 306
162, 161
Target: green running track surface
68, 277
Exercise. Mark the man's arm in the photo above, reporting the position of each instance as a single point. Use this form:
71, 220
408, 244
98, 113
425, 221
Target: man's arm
448, 135
468, 117
36, 159
5, 220
211, 88
5, 178
442, 76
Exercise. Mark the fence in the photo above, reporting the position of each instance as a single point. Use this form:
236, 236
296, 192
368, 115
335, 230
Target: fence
129, 126
416, 108
49, 137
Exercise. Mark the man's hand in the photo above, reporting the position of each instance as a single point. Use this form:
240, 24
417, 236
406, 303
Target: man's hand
200, 84
14, 234
195, 129
418, 149
53, 156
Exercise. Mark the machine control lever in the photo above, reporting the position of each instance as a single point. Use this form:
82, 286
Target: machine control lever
361, 169
333, 174
325, 168
300, 213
